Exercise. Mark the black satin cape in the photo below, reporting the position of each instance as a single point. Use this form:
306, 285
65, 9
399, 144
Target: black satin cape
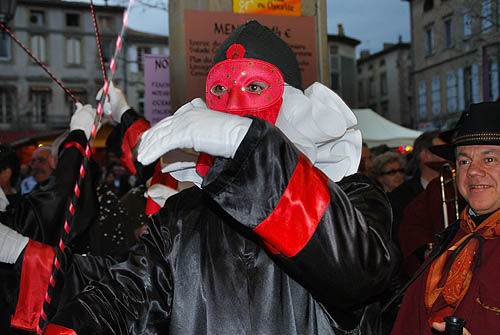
203, 270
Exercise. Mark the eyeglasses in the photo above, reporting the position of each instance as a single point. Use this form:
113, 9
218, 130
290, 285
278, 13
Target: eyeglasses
393, 172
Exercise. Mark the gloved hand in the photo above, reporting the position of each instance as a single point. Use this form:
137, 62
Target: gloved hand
83, 118
11, 244
194, 127
116, 104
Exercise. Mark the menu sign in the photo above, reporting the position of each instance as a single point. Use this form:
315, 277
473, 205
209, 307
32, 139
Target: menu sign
205, 31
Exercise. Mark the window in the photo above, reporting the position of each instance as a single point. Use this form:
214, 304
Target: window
447, 33
140, 98
6, 105
37, 18
428, 5
422, 100
38, 47
141, 51
451, 92
383, 83
40, 99
361, 93
335, 80
436, 96
334, 50
429, 41
382, 62
73, 51
107, 50
384, 108
467, 25
372, 89
468, 85
72, 20
4, 47
486, 16
492, 80
105, 23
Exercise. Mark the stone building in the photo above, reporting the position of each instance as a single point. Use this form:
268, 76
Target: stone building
383, 82
455, 48
61, 35
342, 62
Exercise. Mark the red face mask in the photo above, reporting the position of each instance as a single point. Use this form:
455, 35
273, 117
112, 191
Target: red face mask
245, 86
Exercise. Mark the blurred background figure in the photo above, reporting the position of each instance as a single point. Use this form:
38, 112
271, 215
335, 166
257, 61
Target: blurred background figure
42, 163
423, 166
9, 173
388, 170
366, 163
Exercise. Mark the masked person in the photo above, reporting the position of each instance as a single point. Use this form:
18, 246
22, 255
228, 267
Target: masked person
267, 243
463, 275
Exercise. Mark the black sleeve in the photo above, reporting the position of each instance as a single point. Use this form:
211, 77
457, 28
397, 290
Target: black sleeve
273, 189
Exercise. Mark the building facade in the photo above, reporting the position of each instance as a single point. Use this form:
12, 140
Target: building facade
383, 82
455, 48
61, 35
342, 62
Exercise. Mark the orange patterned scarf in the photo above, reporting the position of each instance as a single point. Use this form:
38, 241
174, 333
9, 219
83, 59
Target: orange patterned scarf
451, 273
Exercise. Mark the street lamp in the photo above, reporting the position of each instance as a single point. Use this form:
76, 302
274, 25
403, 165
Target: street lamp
7, 10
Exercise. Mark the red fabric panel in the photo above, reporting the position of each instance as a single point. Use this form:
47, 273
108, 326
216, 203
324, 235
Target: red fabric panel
204, 163
159, 178
35, 274
52, 329
130, 139
294, 220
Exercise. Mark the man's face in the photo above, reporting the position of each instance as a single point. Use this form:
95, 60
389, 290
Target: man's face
478, 176
42, 164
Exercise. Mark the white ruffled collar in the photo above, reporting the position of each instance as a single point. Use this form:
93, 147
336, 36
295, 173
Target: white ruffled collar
317, 121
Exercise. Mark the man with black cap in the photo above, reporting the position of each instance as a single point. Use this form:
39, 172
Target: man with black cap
280, 236
463, 275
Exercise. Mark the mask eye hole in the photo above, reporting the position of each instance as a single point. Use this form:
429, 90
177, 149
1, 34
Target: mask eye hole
256, 87
218, 90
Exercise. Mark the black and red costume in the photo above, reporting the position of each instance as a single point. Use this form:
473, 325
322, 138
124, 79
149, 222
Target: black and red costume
268, 245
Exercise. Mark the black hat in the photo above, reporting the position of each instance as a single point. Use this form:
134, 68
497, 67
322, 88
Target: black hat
480, 125
262, 43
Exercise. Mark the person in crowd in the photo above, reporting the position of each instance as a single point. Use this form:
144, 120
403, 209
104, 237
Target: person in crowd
366, 163
422, 168
388, 170
42, 163
462, 274
9, 174
422, 219
26, 182
271, 239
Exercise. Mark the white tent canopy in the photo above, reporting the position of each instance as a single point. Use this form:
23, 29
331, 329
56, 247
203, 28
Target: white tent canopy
377, 130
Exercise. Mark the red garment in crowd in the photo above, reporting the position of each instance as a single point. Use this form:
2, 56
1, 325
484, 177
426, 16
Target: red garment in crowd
421, 220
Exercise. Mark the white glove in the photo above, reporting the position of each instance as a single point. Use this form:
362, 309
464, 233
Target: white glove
83, 118
116, 104
198, 128
11, 244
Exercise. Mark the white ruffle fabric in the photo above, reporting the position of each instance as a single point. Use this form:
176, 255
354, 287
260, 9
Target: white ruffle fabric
317, 121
